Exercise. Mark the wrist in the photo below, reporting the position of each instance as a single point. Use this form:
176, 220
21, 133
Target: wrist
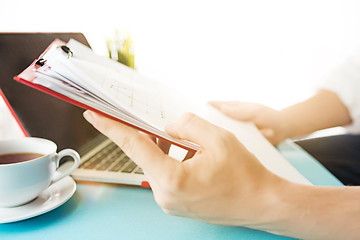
289, 128
275, 205
311, 212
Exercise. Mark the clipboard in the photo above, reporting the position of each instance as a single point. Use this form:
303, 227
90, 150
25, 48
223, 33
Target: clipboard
29, 77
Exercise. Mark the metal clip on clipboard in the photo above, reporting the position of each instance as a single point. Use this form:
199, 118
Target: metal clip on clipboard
67, 50
41, 62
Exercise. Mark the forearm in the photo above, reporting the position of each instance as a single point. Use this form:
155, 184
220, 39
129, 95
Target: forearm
310, 212
324, 110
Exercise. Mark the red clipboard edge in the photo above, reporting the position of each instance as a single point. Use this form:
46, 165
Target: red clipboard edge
81, 105
26, 134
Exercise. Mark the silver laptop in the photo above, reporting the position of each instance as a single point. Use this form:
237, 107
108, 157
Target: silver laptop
44, 116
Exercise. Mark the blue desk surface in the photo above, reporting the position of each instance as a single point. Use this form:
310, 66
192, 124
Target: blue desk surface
104, 211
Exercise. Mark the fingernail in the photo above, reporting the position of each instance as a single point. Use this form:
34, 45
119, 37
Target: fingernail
268, 132
88, 116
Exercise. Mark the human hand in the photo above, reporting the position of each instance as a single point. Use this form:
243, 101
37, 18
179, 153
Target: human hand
222, 183
271, 123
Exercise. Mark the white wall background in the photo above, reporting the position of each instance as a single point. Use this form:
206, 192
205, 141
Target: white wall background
269, 51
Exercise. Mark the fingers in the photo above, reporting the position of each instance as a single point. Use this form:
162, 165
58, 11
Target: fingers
194, 129
242, 111
140, 148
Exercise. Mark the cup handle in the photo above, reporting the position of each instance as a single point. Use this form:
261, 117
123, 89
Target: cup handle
71, 168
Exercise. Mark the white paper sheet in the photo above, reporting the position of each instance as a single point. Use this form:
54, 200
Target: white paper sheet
255, 142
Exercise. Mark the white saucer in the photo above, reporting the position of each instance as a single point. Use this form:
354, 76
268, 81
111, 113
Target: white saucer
52, 197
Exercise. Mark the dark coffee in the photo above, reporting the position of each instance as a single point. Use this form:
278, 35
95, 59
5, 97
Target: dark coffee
18, 157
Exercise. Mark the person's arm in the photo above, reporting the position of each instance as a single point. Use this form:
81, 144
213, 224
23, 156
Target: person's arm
313, 212
225, 184
323, 110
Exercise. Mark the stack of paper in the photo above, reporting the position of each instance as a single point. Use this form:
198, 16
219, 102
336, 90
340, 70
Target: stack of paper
104, 85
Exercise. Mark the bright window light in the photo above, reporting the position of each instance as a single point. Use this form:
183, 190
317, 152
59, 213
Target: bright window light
272, 52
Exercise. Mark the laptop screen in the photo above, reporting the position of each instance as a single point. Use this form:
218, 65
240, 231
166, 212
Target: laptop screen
41, 115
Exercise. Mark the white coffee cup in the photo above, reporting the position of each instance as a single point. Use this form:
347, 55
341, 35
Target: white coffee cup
23, 181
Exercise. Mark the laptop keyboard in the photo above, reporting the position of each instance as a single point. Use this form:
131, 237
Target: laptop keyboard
111, 158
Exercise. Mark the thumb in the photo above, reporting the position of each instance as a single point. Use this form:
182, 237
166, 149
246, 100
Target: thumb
194, 129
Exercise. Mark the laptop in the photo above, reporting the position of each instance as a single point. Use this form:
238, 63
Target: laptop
47, 117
